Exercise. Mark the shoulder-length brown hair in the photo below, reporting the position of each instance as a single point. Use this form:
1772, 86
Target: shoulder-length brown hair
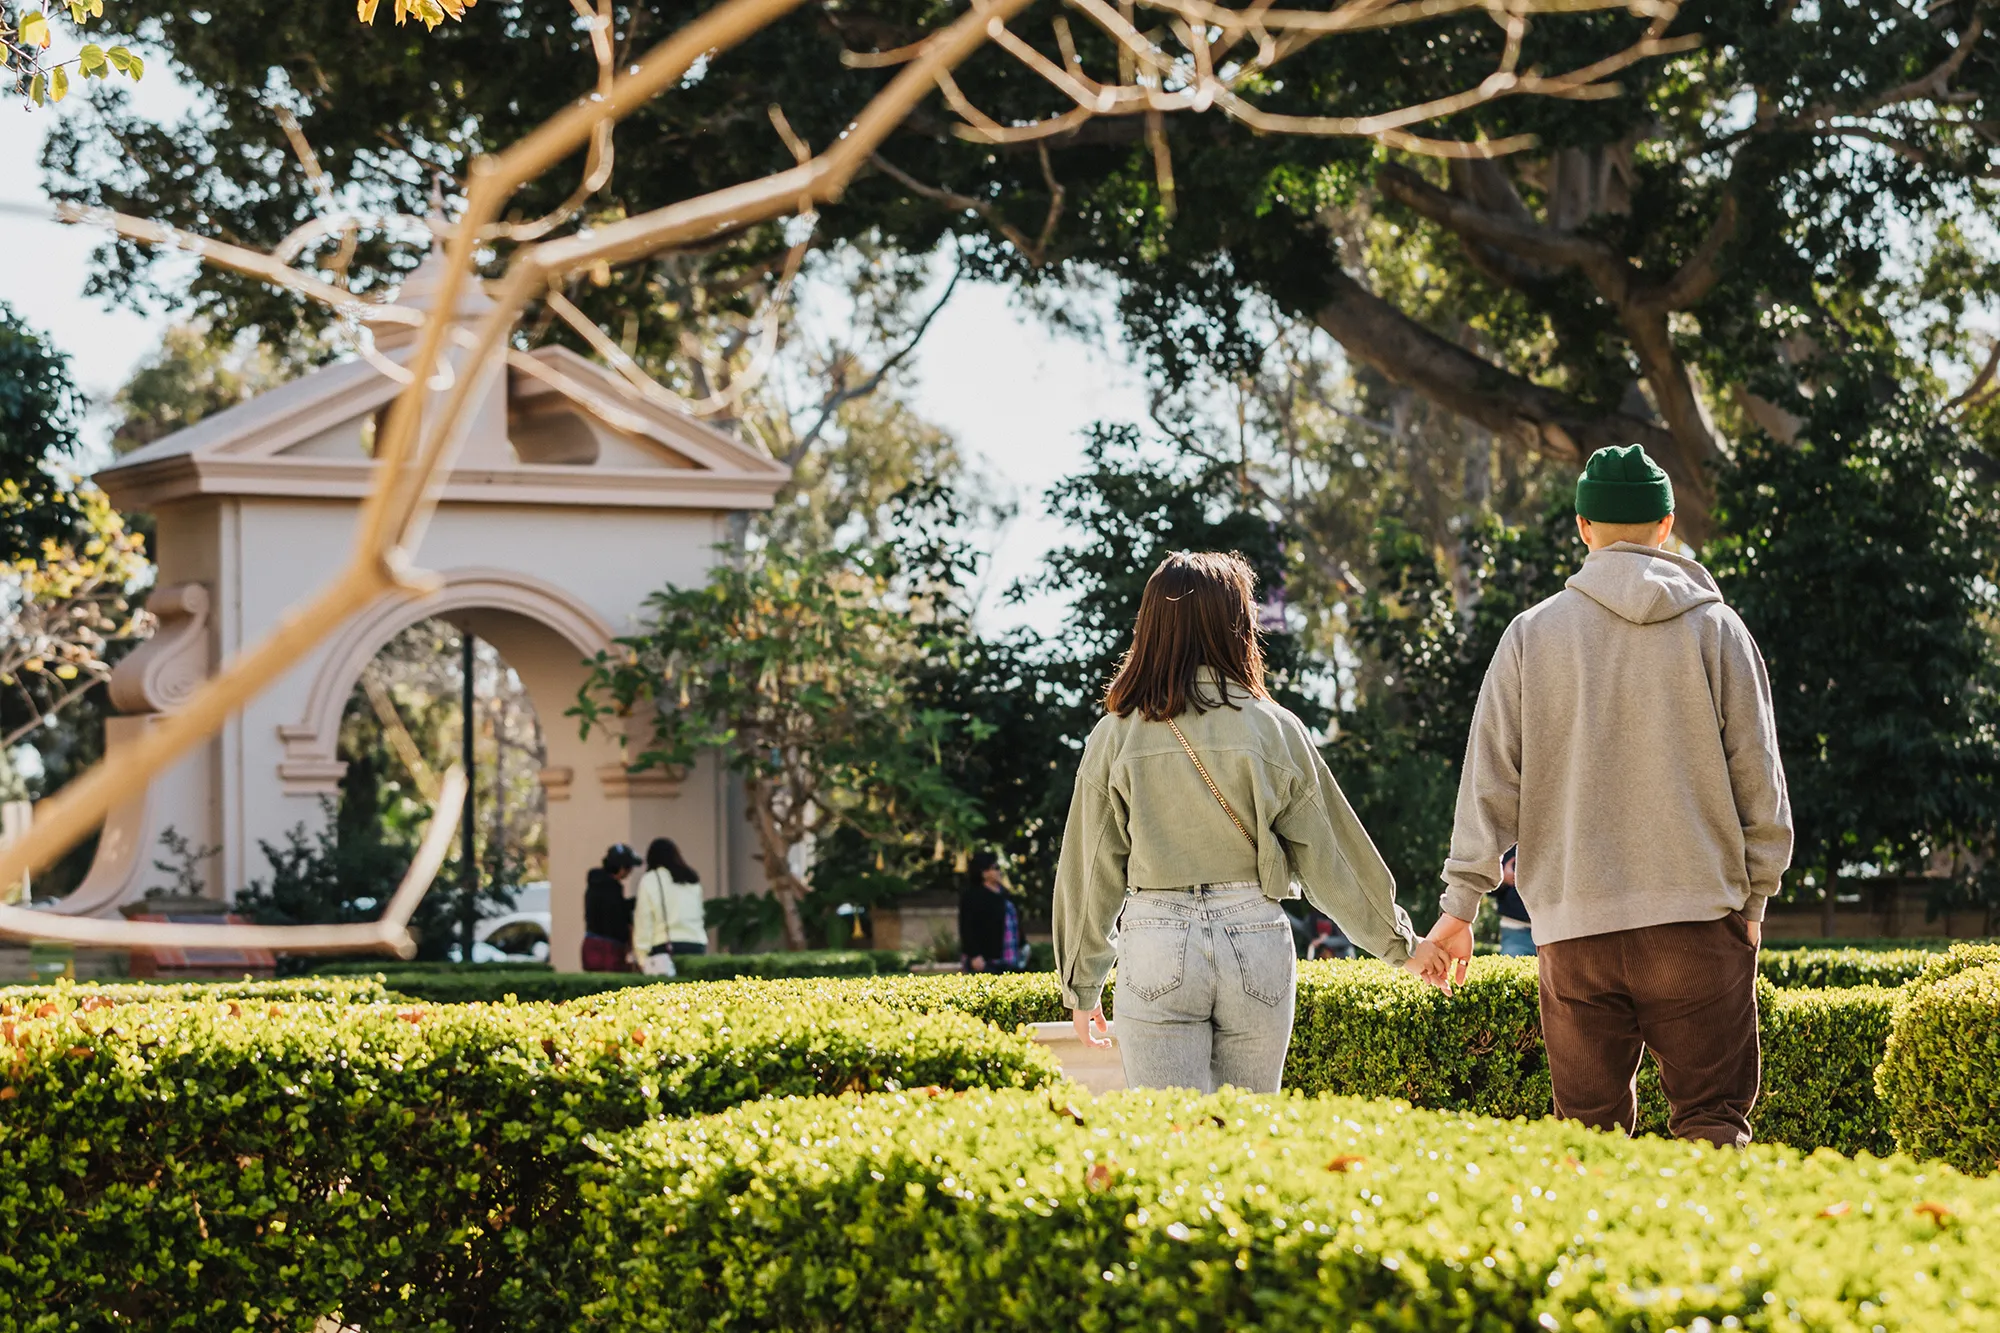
1198, 610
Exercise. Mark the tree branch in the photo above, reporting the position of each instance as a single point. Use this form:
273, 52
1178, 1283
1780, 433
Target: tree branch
1525, 414
1013, 235
830, 406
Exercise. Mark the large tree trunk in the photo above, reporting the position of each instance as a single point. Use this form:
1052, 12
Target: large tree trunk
1503, 239
1518, 411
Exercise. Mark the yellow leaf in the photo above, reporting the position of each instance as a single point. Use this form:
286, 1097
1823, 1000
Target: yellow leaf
35, 29
58, 84
365, 10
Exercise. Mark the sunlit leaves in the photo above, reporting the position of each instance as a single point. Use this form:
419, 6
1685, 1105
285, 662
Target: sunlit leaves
430, 13
42, 82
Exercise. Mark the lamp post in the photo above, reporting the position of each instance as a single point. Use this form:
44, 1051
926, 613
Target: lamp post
468, 865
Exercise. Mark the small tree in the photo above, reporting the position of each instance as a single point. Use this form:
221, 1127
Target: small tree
61, 613
795, 668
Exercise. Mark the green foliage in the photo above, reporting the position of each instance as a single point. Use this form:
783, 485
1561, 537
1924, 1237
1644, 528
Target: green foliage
745, 922
1813, 967
1941, 1077
67, 996
1885, 702
1152, 1210
493, 983
40, 411
189, 376
797, 668
1363, 1029
209, 1166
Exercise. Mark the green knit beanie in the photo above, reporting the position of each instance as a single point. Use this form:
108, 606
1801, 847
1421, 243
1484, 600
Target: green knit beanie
1621, 485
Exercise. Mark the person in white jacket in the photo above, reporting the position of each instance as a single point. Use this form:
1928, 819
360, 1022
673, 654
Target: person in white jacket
666, 911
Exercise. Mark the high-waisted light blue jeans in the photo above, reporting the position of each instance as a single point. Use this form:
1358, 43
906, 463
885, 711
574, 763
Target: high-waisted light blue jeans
1205, 988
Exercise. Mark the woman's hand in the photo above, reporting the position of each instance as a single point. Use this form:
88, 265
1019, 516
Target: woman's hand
976, 964
1085, 1019
1431, 963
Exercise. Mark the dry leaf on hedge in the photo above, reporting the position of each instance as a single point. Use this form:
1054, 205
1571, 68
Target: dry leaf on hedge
1347, 1161
1936, 1212
1840, 1209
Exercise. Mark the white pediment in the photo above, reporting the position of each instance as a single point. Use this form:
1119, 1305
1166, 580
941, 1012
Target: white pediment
555, 429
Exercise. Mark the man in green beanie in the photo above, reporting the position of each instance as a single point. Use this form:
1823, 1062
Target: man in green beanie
1624, 738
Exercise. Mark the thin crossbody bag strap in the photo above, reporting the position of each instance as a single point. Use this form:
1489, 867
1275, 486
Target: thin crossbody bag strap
1213, 790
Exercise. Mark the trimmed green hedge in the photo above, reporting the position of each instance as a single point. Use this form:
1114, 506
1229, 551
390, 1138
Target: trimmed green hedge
451, 983
1941, 1076
1375, 1032
326, 990
1161, 1211
1367, 1030
1843, 967
229, 1166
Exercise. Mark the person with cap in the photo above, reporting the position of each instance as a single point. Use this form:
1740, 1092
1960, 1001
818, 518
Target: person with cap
1624, 738
607, 912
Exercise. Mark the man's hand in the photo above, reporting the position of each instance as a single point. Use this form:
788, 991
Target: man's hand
1756, 929
976, 964
1085, 1020
1455, 938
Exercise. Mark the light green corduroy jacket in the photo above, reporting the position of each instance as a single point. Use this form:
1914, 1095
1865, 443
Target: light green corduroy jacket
1142, 818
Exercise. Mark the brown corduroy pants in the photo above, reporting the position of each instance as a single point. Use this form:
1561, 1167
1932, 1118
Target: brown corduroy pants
1686, 991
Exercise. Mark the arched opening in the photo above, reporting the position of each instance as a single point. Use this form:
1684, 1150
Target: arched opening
405, 723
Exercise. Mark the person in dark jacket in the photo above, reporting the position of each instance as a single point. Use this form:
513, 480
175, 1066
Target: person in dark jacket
1517, 934
989, 922
607, 912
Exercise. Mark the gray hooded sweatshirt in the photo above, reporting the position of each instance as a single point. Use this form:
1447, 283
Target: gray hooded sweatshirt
1624, 738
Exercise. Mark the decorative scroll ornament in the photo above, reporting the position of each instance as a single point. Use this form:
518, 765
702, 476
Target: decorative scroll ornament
164, 672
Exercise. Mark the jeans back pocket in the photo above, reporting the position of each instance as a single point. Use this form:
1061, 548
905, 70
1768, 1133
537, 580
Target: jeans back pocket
1264, 957
1152, 956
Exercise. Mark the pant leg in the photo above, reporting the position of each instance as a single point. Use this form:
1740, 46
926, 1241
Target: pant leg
1165, 994
1590, 1025
1517, 942
1256, 979
1696, 987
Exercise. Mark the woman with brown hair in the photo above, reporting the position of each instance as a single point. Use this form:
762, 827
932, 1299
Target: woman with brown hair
1200, 806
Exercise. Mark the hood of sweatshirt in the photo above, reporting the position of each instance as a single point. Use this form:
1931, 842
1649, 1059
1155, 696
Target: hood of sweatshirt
1644, 584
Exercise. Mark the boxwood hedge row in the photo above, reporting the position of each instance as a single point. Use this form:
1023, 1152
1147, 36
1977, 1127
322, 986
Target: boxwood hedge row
1158, 1211
1941, 1076
328, 990
1367, 1030
232, 1165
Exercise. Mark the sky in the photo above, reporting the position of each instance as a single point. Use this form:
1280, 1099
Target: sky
1017, 396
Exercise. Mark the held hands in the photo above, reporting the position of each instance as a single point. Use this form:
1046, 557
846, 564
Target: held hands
1430, 963
1451, 940
1085, 1020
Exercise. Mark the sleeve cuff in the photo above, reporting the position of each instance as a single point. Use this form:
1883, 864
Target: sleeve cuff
1084, 1000
1459, 901
1754, 905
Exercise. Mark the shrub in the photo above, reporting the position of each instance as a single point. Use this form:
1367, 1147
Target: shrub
1941, 1076
1372, 1031
1843, 967
450, 983
68, 994
226, 1166
1166, 1211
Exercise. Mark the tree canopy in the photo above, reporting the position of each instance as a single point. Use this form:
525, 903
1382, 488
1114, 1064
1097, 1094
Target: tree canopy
1661, 266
